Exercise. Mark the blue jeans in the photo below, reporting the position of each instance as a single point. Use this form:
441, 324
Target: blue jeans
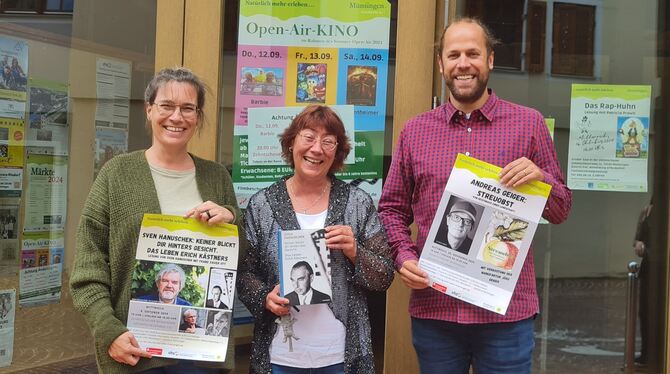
448, 347
183, 367
332, 369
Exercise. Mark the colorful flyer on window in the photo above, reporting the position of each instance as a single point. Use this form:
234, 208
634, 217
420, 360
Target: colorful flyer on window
46, 203
7, 314
12, 141
294, 54
48, 120
304, 267
609, 137
183, 287
13, 78
41, 275
481, 234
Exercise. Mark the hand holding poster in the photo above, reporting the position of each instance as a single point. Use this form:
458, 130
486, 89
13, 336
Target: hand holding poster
304, 267
183, 287
480, 235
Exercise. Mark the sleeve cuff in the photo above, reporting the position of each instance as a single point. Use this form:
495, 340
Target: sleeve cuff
104, 324
402, 257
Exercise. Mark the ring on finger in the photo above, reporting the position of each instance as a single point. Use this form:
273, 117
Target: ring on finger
209, 215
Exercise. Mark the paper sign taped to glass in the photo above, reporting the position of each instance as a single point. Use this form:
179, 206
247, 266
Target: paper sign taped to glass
480, 235
183, 287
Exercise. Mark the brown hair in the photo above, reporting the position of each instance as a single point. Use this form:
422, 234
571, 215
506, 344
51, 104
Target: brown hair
491, 41
181, 75
314, 117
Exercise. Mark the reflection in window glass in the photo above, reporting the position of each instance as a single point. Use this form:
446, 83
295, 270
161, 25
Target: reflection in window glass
21, 5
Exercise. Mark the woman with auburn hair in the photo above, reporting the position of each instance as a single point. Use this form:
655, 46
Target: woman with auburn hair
331, 337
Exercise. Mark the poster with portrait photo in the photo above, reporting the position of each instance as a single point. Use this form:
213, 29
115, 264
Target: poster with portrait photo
458, 225
169, 283
218, 323
221, 289
304, 266
176, 260
193, 320
481, 234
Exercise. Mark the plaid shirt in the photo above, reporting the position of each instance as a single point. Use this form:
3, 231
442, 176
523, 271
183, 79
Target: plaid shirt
498, 133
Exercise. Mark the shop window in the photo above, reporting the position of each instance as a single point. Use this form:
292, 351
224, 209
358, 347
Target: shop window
537, 18
573, 38
505, 19
36, 6
522, 35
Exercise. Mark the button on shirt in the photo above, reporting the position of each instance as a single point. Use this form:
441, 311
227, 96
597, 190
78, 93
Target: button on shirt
498, 133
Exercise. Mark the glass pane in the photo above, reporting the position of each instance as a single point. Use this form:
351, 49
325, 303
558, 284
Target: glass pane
581, 264
71, 97
53, 5
20, 5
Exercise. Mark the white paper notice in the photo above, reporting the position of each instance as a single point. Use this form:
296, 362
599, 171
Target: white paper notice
7, 310
112, 81
481, 234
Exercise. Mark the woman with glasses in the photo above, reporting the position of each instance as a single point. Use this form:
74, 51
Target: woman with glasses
330, 337
162, 179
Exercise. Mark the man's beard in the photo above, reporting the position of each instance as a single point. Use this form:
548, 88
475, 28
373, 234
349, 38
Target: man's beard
471, 95
168, 295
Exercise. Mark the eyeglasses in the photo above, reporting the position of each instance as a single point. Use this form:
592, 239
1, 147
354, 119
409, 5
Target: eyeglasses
460, 220
327, 144
187, 111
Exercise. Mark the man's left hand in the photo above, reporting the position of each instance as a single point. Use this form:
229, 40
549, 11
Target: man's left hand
520, 171
342, 237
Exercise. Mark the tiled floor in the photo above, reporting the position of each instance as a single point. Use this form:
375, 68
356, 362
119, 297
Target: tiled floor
580, 331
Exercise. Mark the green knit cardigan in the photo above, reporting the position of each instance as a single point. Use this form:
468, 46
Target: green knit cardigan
107, 239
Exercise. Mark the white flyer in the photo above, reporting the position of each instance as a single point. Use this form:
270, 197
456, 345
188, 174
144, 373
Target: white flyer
481, 234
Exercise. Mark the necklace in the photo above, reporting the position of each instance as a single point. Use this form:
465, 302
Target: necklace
310, 206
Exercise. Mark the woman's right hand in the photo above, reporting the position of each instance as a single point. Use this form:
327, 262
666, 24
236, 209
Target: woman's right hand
275, 303
126, 350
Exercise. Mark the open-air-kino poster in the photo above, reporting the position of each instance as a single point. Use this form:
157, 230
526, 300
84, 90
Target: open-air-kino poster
293, 54
609, 137
183, 287
481, 234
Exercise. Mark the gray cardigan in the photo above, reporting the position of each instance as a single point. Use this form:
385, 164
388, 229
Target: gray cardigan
270, 210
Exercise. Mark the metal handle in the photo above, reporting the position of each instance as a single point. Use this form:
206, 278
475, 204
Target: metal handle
631, 318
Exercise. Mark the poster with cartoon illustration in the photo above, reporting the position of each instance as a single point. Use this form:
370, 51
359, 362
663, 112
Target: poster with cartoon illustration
609, 137
481, 235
